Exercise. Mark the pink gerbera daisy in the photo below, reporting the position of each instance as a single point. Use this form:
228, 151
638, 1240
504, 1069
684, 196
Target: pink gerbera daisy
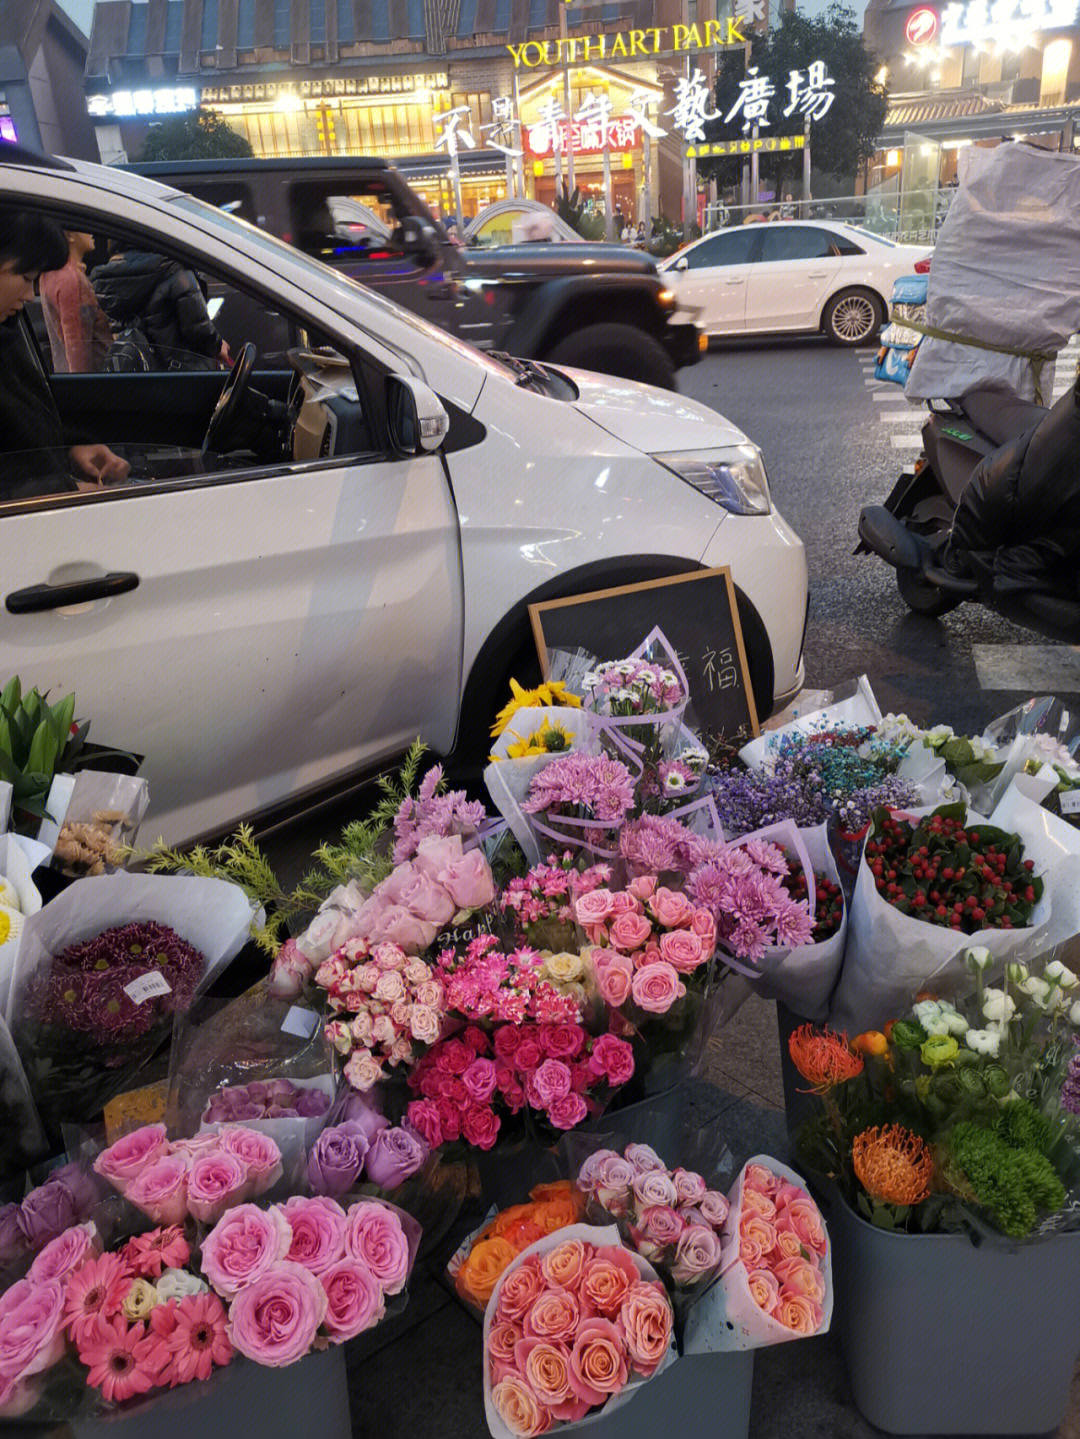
148, 1254
122, 1359
96, 1289
200, 1338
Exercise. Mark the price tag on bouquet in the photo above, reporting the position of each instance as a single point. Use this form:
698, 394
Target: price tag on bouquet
698, 614
147, 986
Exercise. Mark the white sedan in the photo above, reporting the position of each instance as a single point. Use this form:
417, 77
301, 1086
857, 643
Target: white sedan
791, 275
332, 549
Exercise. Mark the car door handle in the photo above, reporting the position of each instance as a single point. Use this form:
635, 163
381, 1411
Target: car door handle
734, 282
76, 592
820, 275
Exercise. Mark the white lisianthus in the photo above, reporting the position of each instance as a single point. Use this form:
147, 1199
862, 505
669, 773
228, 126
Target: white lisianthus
998, 1006
939, 735
1058, 974
979, 957
983, 1041
938, 1016
589, 680
1074, 1013
1017, 973
1037, 988
179, 1284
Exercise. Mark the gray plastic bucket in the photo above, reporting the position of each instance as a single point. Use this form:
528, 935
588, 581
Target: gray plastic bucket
942, 1336
701, 1396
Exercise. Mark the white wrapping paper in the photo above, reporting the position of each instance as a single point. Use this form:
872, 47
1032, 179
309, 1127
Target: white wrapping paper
599, 1235
16, 869
726, 1317
860, 709
508, 780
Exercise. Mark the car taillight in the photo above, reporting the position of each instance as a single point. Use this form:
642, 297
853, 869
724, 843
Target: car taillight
922, 267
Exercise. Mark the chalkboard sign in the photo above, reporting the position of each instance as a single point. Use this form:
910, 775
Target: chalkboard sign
699, 616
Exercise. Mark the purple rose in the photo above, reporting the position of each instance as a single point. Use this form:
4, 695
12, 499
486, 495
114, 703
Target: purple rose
278, 1111
395, 1156
358, 1109
12, 1239
45, 1213
311, 1103
86, 1189
336, 1159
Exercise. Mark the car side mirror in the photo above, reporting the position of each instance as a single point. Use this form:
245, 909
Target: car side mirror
418, 421
420, 239
681, 264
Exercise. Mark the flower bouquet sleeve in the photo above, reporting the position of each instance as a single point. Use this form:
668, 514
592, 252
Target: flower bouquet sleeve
104, 814
515, 763
859, 708
775, 1269
19, 899
102, 972
639, 705
573, 1328
22, 1138
891, 953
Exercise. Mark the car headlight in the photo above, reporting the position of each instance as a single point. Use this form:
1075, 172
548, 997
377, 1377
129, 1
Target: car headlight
734, 478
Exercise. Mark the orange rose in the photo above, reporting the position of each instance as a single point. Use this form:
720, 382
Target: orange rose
480, 1272
507, 1218
560, 1189
556, 1213
523, 1233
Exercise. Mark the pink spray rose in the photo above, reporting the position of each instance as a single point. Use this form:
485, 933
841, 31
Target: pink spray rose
549, 1082
128, 1157
593, 908
373, 1234
275, 1319
65, 1253
243, 1245
161, 1190
354, 1299
630, 932
671, 907
469, 881
318, 1231
656, 987
258, 1153
613, 1058
289, 973
644, 887
567, 1111
614, 980
31, 1333
683, 950
216, 1181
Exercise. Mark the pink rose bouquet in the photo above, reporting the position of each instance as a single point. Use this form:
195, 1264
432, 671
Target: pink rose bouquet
555, 1074
301, 1274
669, 1216
776, 1271
387, 1007
484, 984
590, 1321
541, 903
170, 1180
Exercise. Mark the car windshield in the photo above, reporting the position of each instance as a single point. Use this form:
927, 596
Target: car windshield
247, 235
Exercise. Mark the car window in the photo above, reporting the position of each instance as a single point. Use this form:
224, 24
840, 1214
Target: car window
497, 229
845, 245
802, 242
733, 247
228, 195
137, 410
338, 220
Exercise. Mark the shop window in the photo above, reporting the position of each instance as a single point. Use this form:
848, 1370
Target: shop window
208, 36
502, 15
972, 60
245, 25
282, 24
537, 14
804, 243
174, 23
136, 40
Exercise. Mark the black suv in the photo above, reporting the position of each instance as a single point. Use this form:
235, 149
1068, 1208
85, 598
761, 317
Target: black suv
596, 307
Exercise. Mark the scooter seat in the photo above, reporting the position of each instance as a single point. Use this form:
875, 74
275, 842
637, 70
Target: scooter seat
1000, 416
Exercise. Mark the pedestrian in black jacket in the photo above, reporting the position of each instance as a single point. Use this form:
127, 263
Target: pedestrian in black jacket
165, 300
37, 457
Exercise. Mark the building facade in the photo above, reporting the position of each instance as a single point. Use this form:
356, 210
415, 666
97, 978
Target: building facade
42, 60
304, 78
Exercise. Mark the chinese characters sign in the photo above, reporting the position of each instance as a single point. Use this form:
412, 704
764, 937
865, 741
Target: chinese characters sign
583, 137
173, 101
810, 94
984, 20
763, 145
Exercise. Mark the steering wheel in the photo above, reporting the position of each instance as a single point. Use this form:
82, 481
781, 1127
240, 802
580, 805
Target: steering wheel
228, 405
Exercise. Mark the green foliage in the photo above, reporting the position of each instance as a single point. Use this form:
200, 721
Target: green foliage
36, 740
1012, 1184
1021, 1126
847, 135
199, 135
363, 852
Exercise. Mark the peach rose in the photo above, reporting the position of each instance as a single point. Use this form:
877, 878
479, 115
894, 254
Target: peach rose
802, 1216
646, 1321
753, 1200
546, 1368
788, 1246
598, 1366
564, 1266
609, 1276
799, 1277
553, 1316
671, 907
519, 1409
502, 1338
520, 1290
757, 1238
796, 1311
760, 1178
764, 1289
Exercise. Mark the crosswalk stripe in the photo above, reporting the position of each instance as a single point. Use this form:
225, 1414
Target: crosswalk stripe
892, 417
894, 392
906, 442
1028, 669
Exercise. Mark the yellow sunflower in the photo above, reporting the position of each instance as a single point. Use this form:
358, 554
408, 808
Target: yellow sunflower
551, 692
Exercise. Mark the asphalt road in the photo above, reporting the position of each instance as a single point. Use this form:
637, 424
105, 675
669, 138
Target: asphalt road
834, 440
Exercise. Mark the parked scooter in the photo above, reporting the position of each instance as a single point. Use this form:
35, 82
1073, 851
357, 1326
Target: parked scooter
991, 513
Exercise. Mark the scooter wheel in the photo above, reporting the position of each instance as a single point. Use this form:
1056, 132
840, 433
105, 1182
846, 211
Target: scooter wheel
923, 597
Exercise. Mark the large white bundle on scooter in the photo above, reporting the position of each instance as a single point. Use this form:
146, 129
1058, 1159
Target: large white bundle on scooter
1005, 278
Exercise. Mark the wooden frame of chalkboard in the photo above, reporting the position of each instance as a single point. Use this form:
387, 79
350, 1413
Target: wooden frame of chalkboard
599, 620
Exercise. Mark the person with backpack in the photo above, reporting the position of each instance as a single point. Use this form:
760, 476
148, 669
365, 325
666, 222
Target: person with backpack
158, 313
37, 457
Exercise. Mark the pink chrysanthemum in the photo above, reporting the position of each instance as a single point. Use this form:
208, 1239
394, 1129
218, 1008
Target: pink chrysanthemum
95, 1292
122, 1359
148, 1254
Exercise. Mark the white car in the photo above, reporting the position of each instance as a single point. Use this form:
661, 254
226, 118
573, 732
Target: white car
347, 563
791, 275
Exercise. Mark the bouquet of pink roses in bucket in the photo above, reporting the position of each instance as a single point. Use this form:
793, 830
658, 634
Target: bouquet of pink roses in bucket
574, 1327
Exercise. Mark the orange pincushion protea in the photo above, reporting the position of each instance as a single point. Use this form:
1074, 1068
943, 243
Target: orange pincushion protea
823, 1057
893, 1164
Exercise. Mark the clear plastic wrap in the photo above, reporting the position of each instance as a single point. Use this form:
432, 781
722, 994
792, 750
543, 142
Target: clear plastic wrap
103, 814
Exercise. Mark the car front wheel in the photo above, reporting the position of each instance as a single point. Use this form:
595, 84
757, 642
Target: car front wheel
853, 317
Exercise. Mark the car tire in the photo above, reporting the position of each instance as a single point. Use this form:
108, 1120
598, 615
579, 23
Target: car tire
921, 596
614, 349
853, 317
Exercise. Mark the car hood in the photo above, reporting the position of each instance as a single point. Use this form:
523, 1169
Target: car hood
654, 421
547, 259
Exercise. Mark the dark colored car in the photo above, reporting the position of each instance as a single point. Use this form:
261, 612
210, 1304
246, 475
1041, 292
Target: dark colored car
596, 307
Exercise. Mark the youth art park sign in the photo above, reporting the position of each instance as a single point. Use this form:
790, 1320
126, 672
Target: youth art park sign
629, 44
